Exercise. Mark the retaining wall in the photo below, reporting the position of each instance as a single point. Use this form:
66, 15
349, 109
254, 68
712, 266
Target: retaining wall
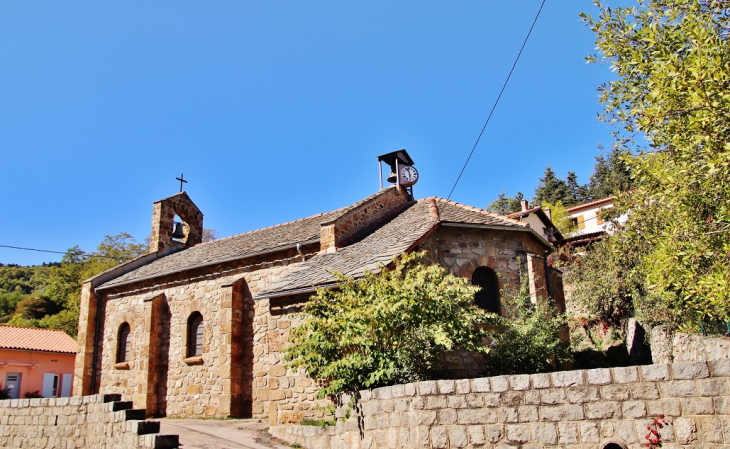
571, 410
669, 347
99, 421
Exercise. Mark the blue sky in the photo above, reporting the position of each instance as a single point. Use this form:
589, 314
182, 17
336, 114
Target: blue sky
276, 110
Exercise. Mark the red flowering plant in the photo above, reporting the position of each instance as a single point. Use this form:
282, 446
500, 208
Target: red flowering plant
654, 438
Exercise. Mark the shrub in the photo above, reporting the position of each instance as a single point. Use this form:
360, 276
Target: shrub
386, 328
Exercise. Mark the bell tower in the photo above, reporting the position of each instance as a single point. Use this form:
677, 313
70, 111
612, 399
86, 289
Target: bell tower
168, 233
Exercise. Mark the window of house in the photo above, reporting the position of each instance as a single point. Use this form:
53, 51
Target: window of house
488, 297
51, 382
123, 343
599, 220
195, 334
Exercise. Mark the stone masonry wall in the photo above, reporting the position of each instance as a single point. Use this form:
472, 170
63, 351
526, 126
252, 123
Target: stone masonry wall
568, 410
669, 347
78, 422
240, 372
335, 232
463, 250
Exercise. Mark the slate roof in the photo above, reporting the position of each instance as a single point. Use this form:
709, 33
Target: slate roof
32, 339
381, 242
281, 236
393, 237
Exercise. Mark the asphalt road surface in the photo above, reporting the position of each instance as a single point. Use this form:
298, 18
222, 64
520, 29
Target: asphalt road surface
221, 434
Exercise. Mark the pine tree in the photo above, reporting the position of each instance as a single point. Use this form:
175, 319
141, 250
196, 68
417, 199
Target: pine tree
504, 205
552, 189
610, 176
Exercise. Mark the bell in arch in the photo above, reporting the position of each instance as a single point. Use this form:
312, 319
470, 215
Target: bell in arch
177, 232
393, 176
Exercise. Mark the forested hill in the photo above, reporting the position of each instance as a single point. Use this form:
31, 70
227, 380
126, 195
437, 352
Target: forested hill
19, 283
47, 295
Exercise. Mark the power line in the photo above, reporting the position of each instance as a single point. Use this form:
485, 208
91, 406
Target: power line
79, 254
498, 97
34, 249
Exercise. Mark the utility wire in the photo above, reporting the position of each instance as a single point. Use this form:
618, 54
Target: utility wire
60, 252
498, 97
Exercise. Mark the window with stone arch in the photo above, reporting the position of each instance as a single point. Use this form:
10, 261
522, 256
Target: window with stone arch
195, 334
488, 297
123, 343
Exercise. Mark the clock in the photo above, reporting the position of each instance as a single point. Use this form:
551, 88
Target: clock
408, 175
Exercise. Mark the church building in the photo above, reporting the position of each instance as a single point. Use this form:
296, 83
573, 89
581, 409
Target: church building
197, 329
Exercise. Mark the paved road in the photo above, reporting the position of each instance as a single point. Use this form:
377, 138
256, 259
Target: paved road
221, 434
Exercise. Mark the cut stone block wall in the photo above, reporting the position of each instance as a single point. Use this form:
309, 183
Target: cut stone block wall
96, 421
570, 409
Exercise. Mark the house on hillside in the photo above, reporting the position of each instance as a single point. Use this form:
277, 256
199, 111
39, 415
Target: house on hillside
36, 361
589, 222
197, 329
539, 219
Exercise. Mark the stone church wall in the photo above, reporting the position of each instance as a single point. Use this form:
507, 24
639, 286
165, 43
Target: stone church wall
569, 410
240, 371
78, 422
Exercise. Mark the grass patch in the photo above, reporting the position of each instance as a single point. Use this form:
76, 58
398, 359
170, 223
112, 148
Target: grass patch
318, 422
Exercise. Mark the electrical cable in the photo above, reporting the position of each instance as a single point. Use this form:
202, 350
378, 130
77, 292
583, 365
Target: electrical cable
60, 252
504, 86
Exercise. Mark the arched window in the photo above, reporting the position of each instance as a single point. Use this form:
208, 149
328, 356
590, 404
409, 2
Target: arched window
123, 343
488, 297
195, 334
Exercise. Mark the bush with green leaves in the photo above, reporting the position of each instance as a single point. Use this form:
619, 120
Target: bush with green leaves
386, 328
395, 327
528, 339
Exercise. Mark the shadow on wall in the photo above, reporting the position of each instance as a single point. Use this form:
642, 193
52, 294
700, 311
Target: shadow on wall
635, 351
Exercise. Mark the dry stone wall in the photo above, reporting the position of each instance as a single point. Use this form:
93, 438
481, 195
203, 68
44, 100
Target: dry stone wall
571, 410
78, 422
668, 347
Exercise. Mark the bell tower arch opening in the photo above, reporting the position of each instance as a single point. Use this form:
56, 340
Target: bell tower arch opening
177, 223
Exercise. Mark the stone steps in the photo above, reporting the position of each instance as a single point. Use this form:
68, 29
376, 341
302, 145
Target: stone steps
148, 430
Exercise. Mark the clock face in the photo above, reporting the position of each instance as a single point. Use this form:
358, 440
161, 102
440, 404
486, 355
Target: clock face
408, 175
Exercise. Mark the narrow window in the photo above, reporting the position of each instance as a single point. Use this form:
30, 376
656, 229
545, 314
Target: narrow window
195, 334
123, 343
488, 297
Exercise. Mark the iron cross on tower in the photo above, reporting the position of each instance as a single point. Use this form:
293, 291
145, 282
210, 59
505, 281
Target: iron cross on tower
181, 179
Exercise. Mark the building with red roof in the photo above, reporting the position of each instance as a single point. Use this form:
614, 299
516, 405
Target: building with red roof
36, 361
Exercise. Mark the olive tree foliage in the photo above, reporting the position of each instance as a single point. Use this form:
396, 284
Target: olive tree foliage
672, 59
386, 328
605, 284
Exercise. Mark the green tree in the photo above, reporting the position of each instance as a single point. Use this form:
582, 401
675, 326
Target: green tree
611, 175
672, 59
560, 217
552, 189
58, 306
386, 328
504, 205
